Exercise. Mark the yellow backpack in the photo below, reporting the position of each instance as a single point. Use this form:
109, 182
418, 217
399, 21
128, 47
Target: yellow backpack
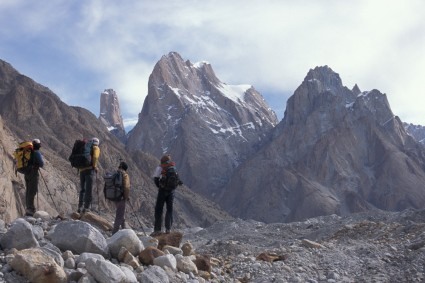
22, 156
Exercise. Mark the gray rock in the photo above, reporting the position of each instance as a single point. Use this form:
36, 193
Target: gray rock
124, 238
19, 236
153, 274
79, 237
104, 271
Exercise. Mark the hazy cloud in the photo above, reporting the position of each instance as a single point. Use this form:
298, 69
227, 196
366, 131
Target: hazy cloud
79, 48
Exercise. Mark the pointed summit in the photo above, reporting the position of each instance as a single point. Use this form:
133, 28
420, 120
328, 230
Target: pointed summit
208, 126
356, 90
325, 75
110, 113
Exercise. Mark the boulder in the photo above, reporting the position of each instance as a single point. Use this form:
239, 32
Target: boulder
104, 271
20, 236
126, 238
38, 267
153, 274
147, 256
78, 237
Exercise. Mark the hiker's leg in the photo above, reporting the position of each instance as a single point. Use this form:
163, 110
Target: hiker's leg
160, 199
119, 215
89, 188
82, 189
31, 182
169, 212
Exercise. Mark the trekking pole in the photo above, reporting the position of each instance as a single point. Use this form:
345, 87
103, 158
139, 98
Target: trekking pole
48, 191
140, 222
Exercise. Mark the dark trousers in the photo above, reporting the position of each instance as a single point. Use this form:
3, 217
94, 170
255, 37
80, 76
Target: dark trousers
86, 185
164, 197
119, 216
31, 184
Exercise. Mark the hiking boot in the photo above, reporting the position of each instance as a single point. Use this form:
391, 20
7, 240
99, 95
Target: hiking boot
29, 213
86, 210
80, 209
167, 231
155, 233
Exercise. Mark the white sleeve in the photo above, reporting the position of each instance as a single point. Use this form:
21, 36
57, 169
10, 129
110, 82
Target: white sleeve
157, 172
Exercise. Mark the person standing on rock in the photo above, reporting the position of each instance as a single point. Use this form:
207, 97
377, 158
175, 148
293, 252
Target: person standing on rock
87, 178
167, 180
32, 176
120, 204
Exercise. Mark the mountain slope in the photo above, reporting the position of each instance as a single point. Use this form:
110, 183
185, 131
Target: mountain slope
209, 127
336, 151
30, 110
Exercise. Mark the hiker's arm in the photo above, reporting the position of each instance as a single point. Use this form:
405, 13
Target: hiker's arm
96, 154
39, 159
126, 185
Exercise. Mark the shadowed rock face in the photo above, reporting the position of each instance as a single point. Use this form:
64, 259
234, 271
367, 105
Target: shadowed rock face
334, 152
416, 131
209, 127
29, 110
110, 113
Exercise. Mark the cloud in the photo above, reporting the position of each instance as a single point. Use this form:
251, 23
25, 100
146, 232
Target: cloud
271, 45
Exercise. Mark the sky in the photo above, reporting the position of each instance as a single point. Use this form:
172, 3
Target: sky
80, 48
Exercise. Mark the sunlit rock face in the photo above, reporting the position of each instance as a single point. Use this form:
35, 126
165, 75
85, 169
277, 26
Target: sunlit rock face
208, 126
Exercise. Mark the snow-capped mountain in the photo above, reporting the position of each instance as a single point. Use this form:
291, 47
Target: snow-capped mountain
208, 126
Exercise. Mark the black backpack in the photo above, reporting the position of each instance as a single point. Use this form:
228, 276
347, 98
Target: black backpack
113, 189
170, 181
81, 154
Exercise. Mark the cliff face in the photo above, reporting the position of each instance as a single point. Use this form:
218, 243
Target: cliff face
110, 113
209, 127
336, 151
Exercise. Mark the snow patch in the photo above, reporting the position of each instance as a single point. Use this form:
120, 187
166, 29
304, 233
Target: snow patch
200, 64
234, 92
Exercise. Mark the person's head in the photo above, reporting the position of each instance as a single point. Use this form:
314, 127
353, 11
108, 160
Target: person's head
95, 141
123, 166
165, 158
36, 143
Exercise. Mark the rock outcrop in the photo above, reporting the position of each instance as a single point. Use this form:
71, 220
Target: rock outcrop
110, 113
335, 152
209, 127
416, 131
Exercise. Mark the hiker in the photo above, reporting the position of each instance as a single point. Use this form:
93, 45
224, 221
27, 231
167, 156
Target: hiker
87, 178
165, 194
32, 176
120, 204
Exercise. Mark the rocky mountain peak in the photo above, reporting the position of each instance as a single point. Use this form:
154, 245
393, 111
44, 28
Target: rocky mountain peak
356, 90
334, 152
326, 76
110, 113
209, 127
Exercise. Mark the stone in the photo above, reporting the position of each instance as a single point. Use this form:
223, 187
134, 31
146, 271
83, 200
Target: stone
38, 267
104, 271
96, 221
126, 238
153, 274
79, 237
147, 256
19, 236
186, 265
167, 260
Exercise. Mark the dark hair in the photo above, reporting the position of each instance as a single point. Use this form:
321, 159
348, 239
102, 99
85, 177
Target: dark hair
123, 166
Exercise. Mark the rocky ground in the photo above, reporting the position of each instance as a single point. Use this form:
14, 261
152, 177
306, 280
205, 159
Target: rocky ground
368, 247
